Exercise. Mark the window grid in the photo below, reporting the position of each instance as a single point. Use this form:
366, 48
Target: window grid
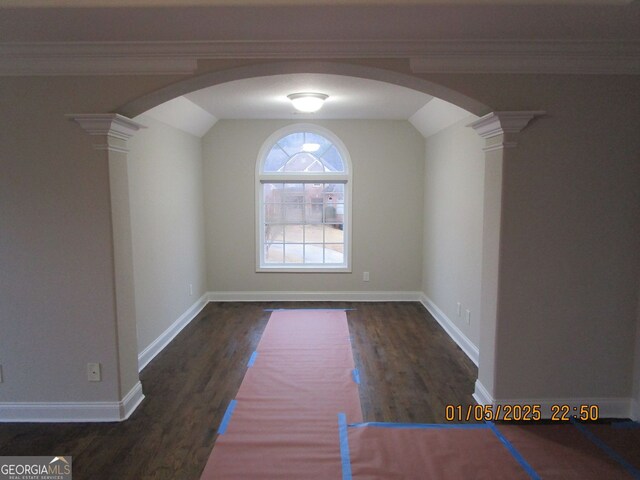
297, 198
304, 196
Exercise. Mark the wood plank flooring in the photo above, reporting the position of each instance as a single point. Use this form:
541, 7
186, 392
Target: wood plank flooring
409, 370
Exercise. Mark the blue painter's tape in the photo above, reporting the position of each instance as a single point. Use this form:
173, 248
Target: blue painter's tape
227, 417
344, 447
252, 359
607, 449
432, 426
519, 458
356, 376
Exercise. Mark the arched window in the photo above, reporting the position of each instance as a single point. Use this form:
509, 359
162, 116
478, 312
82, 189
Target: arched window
303, 191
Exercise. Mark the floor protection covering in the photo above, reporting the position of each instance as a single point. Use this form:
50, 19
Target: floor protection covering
284, 422
297, 415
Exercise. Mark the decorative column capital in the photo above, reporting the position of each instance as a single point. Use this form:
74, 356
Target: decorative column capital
115, 129
506, 124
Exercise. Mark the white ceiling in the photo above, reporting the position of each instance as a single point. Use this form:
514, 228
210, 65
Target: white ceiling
266, 98
349, 98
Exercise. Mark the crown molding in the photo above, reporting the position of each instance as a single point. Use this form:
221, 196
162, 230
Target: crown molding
442, 56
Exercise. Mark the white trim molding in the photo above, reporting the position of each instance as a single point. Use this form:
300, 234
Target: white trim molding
591, 57
635, 410
112, 129
73, 411
499, 129
607, 57
467, 346
155, 347
314, 296
608, 407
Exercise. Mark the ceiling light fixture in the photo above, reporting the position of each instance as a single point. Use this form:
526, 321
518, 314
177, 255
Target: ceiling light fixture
307, 102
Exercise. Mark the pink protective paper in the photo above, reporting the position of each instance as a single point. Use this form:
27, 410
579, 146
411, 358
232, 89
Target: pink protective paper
443, 454
285, 424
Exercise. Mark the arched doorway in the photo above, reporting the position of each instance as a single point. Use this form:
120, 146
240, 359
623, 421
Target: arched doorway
498, 129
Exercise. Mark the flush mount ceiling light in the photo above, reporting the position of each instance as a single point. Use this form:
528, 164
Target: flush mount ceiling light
307, 102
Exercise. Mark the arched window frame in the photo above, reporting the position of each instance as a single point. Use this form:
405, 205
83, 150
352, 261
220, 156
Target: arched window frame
262, 177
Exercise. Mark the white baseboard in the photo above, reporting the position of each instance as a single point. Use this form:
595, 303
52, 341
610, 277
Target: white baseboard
170, 333
314, 296
608, 407
481, 395
73, 411
635, 410
454, 332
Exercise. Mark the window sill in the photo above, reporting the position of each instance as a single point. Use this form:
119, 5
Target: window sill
301, 269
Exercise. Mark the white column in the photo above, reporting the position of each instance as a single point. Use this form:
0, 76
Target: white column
110, 133
500, 131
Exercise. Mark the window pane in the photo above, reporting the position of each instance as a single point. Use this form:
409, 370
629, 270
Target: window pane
333, 160
293, 193
313, 213
273, 213
293, 253
303, 162
330, 214
293, 213
273, 234
274, 253
275, 159
313, 253
323, 144
292, 143
272, 192
334, 192
313, 234
313, 192
333, 253
334, 233
293, 233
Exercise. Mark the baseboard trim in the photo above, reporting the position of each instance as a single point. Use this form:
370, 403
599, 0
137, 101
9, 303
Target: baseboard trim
155, 347
635, 410
288, 296
73, 411
481, 395
467, 346
608, 407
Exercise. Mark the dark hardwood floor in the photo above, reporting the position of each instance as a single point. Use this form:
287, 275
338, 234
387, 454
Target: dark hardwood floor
409, 370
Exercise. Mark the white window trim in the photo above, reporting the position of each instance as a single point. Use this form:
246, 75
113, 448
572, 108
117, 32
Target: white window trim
328, 177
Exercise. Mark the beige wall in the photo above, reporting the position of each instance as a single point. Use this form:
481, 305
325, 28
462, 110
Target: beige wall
570, 243
57, 293
570, 253
453, 213
387, 158
167, 217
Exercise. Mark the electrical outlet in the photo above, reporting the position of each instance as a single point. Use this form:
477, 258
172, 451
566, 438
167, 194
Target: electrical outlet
459, 309
468, 317
93, 372
191, 289
365, 276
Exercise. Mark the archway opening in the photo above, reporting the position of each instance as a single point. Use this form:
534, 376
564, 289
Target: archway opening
225, 148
